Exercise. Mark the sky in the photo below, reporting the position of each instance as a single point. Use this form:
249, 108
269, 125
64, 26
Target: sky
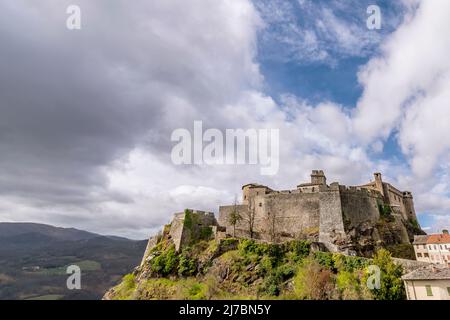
87, 115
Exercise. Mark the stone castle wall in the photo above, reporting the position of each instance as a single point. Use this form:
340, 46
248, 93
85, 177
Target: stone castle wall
342, 218
336, 215
279, 215
189, 224
329, 211
359, 206
331, 224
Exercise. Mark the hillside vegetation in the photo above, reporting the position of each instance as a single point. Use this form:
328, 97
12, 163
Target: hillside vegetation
245, 269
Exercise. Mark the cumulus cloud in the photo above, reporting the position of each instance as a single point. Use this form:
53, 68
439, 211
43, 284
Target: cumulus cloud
73, 102
406, 88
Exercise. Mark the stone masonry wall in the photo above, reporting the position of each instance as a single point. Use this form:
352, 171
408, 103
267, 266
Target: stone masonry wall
276, 215
290, 215
332, 232
359, 206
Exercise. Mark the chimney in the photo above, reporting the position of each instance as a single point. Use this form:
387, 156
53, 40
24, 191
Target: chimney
445, 231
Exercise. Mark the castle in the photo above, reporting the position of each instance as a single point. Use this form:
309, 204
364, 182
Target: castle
354, 220
329, 212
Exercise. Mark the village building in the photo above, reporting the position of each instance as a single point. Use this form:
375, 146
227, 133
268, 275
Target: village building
433, 248
428, 283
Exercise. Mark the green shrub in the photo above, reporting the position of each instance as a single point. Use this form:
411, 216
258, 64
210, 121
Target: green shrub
271, 286
166, 262
171, 261
348, 263
266, 264
205, 233
247, 247
298, 249
186, 266
157, 263
285, 271
196, 292
129, 281
125, 289
385, 210
325, 259
349, 285
188, 219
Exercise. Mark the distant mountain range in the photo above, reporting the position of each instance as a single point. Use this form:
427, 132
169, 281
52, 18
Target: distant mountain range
34, 258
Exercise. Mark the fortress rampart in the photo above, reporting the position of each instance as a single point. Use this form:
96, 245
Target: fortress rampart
349, 219
315, 210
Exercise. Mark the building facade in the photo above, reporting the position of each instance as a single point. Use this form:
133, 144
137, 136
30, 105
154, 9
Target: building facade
433, 248
421, 249
428, 283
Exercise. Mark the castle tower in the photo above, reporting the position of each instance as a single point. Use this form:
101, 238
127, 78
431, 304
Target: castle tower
318, 177
409, 205
246, 193
379, 182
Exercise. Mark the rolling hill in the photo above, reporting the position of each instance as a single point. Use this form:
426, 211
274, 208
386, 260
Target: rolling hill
34, 258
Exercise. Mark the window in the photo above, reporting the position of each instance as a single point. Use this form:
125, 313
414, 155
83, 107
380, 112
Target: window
440, 246
429, 291
424, 246
260, 204
419, 254
435, 248
426, 255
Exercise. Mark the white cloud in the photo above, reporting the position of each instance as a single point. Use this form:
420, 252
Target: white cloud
178, 68
407, 92
321, 31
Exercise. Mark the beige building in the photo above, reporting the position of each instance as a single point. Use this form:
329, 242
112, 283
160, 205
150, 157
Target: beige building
439, 248
421, 249
433, 248
428, 283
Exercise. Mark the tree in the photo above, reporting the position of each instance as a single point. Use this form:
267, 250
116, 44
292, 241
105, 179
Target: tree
250, 218
234, 217
272, 220
313, 282
391, 285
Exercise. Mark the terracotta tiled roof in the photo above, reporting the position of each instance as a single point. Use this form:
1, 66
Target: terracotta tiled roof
438, 238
